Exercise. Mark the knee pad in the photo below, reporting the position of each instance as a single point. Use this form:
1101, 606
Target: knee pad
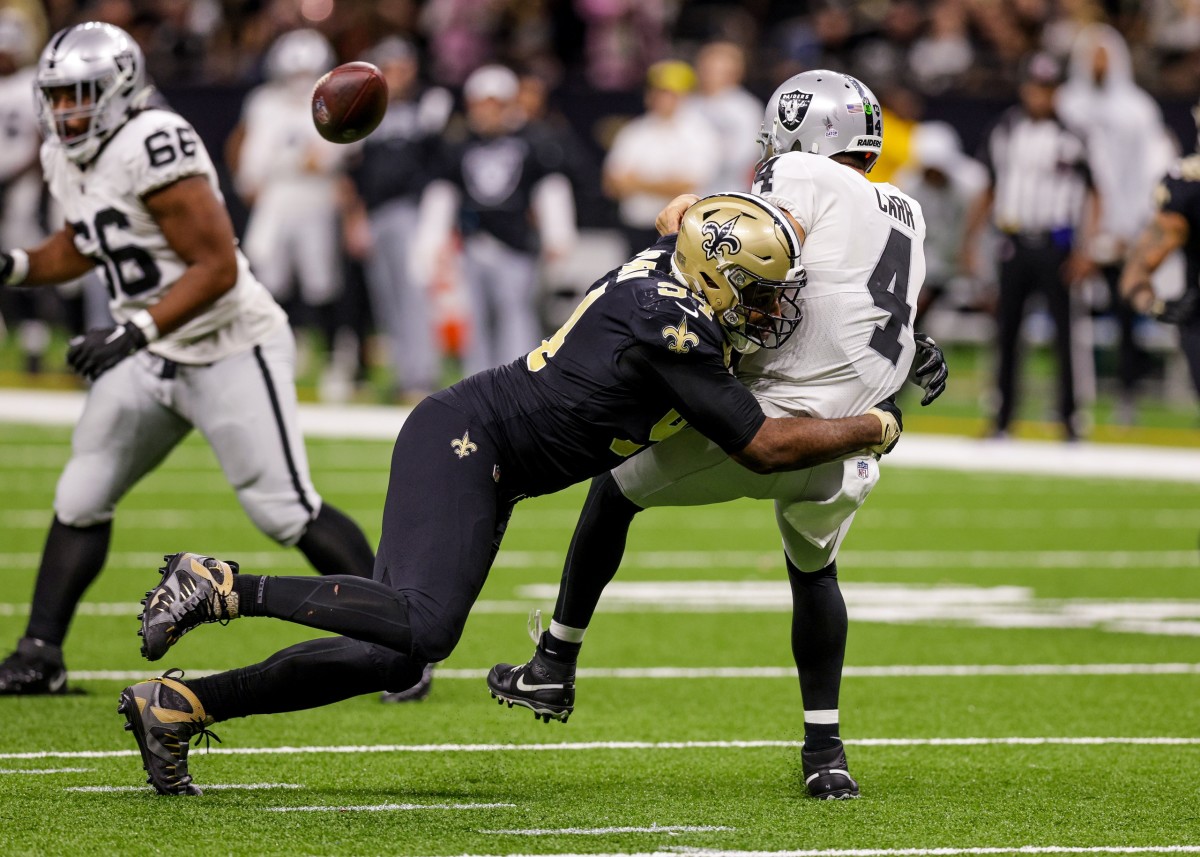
279, 515
80, 501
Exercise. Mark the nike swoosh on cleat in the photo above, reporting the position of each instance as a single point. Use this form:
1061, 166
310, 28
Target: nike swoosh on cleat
521, 685
60, 681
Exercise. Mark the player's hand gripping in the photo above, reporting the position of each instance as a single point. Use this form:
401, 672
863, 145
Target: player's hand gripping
97, 351
892, 424
1177, 311
929, 370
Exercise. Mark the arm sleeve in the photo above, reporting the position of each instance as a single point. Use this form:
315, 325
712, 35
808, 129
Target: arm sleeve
1177, 195
705, 394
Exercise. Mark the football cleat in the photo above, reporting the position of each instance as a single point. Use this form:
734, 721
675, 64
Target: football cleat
827, 775
544, 686
35, 667
163, 715
416, 693
194, 589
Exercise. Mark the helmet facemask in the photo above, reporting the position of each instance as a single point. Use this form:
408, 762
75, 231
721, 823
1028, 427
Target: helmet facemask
767, 311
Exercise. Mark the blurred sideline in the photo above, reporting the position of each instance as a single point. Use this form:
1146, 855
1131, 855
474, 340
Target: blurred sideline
934, 452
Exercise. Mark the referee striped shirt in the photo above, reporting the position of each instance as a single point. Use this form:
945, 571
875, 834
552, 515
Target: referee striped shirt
1039, 172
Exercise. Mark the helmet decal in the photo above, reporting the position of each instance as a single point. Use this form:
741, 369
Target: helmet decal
792, 108
718, 237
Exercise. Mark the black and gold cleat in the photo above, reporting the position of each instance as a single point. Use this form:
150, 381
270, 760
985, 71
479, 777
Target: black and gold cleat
163, 715
195, 589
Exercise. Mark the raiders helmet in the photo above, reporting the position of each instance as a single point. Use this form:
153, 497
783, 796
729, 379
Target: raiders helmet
823, 112
742, 255
107, 70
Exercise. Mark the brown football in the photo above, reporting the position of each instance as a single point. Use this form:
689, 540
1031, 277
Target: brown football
348, 103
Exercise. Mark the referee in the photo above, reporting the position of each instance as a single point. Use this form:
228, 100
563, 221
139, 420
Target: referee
1041, 198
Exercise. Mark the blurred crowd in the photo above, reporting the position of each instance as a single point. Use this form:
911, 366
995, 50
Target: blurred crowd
463, 230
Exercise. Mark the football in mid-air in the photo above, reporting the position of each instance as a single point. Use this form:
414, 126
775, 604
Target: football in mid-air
348, 103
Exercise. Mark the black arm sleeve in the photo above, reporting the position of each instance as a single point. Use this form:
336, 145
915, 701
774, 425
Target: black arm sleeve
705, 394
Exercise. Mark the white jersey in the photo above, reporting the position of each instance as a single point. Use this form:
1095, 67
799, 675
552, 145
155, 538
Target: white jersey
103, 202
863, 251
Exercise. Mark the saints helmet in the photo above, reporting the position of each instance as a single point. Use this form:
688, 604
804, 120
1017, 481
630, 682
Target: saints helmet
741, 254
107, 70
823, 112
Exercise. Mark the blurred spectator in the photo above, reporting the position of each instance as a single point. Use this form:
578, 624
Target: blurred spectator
1042, 198
512, 200
661, 154
288, 176
551, 129
734, 113
946, 183
902, 110
461, 36
1129, 152
884, 56
27, 311
942, 57
392, 168
621, 38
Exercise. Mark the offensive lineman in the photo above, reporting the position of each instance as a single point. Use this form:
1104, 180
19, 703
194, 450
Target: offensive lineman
199, 342
863, 251
644, 350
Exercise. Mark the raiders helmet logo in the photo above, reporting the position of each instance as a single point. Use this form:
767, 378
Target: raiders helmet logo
719, 238
792, 108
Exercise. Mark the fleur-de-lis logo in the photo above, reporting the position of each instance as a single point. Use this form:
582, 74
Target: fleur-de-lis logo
680, 339
463, 446
718, 237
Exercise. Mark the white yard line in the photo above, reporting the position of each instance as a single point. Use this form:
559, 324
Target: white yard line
934, 452
389, 807
893, 671
601, 831
44, 771
675, 851
567, 747
207, 787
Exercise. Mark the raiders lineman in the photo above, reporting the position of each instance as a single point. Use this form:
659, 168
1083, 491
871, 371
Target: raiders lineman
199, 342
865, 261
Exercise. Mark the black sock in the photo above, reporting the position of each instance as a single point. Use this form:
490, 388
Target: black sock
71, 560
560, 650
307, 675
595, 553
334, 544
821, 736
351, 606
819, 630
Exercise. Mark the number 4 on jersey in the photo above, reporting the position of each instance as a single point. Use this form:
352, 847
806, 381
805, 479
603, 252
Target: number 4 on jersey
888, 285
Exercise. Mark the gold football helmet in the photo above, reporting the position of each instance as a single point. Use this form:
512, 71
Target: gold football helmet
742, 255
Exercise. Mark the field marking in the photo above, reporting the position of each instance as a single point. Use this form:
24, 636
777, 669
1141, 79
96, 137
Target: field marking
389, 807
674, 851
930, 452
147, 561
672, 829
207, 786
889, 671
40, 771
358, 749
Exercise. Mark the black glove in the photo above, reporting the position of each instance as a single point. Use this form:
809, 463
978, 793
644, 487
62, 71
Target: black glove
6, 266
929, 370
97, 351
1178, 311
893, 424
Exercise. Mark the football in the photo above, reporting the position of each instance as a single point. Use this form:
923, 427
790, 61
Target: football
348, 103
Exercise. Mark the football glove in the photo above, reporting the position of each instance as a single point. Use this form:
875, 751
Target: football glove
97, 351
893, 423
929, 370
1177, 311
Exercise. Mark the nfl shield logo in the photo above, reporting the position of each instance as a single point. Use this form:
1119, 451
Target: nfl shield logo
792, 108
864, 470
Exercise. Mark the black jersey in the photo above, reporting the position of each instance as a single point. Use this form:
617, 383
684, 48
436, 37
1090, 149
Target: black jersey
496, 176
639, 358
1180, 193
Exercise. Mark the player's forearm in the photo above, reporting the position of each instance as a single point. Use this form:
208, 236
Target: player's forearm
55, 260
1163, 236
794, 443
201, 286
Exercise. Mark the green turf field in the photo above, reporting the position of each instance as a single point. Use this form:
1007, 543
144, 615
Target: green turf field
1023, 671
